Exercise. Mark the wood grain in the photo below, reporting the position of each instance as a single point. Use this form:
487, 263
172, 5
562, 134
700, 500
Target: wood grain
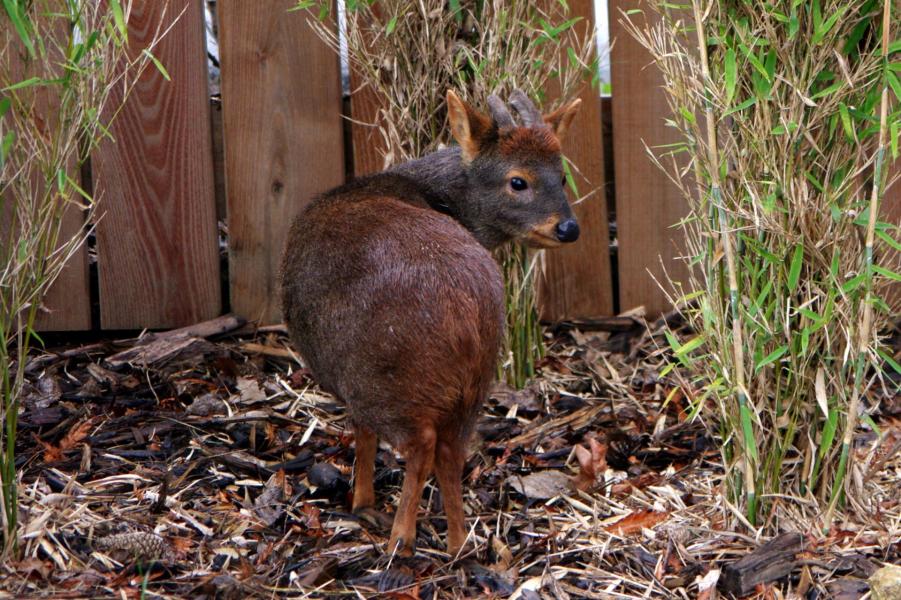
368, 145
281, 100
647, 204
575, 281
68, 302
157, 239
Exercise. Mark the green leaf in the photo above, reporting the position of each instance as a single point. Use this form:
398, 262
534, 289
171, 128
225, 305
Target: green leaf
889, 360
887, 273
20, 23
829, 429
846, 120
6, 145
771, 358
794, 272
23, 84
692, 344
746, 104
731, 70
4, 106
156, 63
119, 19
389, 28
889, 239
853, 283
894, 83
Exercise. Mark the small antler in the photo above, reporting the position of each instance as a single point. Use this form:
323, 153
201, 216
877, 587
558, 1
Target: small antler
499, 113
525, 108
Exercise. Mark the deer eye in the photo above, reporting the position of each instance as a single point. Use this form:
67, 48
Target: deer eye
518, 184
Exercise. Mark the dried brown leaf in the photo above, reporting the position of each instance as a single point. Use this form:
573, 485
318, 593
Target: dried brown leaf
636, 521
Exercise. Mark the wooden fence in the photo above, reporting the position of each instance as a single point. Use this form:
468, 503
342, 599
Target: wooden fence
282, 141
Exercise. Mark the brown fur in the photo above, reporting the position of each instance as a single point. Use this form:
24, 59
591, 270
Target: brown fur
526, 142
392, 297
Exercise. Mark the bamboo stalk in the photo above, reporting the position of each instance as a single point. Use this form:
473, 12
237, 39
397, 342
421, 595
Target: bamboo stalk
738, 358
864, 331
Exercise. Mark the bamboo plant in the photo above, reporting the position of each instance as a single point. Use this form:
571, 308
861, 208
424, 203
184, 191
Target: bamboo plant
62, 64
787, 131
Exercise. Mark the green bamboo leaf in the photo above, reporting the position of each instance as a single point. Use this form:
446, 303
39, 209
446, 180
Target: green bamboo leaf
828, 91
771, 358
731, 71
894, 83
889, 360
793, 25
888, 239
826, 26
829, 429
6, 145
391, 25
748, 431
156, 63
119, 19
692, 344
794, 271
746, 104
31, 81
887, 273
805, 340
20, 23
4, 106
846, 120
853, 283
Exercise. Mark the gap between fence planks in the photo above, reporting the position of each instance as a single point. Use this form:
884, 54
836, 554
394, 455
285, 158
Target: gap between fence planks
647, 204
157, 239
281, 101
574, 282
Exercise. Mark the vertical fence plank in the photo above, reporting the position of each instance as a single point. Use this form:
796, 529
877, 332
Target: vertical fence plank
368, 146
575, 281
281, 100
647, 204
157, 240
68, 302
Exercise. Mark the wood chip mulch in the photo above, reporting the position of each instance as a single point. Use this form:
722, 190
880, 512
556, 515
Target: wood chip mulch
205, 462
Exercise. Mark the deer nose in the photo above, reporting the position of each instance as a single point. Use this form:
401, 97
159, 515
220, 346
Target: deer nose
568, 230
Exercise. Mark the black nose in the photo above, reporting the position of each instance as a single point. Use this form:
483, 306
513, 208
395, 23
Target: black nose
568, 230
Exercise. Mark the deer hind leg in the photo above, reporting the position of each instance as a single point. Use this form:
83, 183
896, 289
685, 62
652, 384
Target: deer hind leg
450, 457
420, 455
364, 467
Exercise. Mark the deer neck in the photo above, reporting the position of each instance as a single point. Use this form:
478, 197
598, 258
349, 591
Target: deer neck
446, 182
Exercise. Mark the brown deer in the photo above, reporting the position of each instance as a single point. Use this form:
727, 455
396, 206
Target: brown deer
392, 296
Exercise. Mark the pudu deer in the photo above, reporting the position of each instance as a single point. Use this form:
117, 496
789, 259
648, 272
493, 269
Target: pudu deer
392, 296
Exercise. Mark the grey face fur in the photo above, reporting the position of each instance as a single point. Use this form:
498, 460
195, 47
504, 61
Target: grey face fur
505, 180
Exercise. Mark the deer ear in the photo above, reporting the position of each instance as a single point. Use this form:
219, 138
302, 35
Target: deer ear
560, 119
469, 127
